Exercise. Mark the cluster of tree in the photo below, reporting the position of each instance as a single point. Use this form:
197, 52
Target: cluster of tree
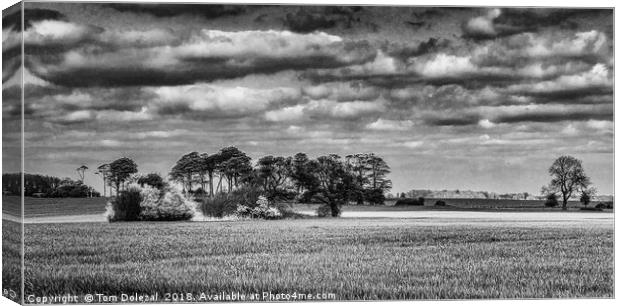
330, 179
46, 186
116, 174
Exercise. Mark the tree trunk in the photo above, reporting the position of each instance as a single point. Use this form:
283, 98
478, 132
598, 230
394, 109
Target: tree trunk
211, 184
564, 202
219, 184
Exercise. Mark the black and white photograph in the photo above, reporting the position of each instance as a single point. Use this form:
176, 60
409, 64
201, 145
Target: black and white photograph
157, 152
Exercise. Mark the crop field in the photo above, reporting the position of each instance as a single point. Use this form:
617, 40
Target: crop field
36, 207
11, 258
353, 258
55, 207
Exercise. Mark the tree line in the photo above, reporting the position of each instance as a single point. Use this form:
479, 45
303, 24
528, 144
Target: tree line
329, 179
46, 186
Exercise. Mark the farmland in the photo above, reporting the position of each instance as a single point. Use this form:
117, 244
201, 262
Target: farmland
56, 207
11, 258
354, 258
36, 207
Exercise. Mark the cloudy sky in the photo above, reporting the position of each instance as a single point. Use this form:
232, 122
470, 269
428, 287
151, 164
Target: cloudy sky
452, 98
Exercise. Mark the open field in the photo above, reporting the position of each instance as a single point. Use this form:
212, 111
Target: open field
493, 204
354, 258
91, 209
11, 259
37, 207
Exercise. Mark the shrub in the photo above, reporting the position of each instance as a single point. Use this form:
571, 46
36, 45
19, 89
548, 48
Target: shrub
326, 211
169, 205
150, 204
552, 200
375, 196
600, 205
261, 210
409, 201
218, 206
440, 203
225, 204
125, 206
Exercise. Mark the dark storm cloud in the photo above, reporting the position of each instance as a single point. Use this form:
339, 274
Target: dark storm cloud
405, 51
188, 70
555, 117
568, 94
453, 121
14, 20
209, 11
309, 19
113, 58
510, 21
10, 65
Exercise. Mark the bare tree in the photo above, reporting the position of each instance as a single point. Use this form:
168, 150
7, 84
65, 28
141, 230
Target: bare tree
568, 178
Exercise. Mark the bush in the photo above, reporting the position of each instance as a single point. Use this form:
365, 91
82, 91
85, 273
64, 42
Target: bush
409, 201
169, 205
225, 204
150, 204
261, 210
375, 196
440, 203
326, 211
600, 205
218, 206
552, 200
125, 206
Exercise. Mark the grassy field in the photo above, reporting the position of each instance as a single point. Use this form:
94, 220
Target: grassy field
353, 258
11, 259
35, 207
44, 207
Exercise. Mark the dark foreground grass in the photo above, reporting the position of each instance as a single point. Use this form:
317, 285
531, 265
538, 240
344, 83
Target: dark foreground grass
354, 258
11, 260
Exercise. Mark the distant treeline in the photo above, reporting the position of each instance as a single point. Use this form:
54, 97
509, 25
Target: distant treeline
45, 186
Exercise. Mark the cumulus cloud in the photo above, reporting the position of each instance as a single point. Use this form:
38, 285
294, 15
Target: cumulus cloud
482, 26
390, 125
140, 58
214, 101
210, 11
598, 80
326, 109
486, 123
341, 91
508, 21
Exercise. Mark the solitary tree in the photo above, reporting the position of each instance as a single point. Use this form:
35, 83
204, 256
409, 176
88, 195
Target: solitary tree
568, 177
120, 170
